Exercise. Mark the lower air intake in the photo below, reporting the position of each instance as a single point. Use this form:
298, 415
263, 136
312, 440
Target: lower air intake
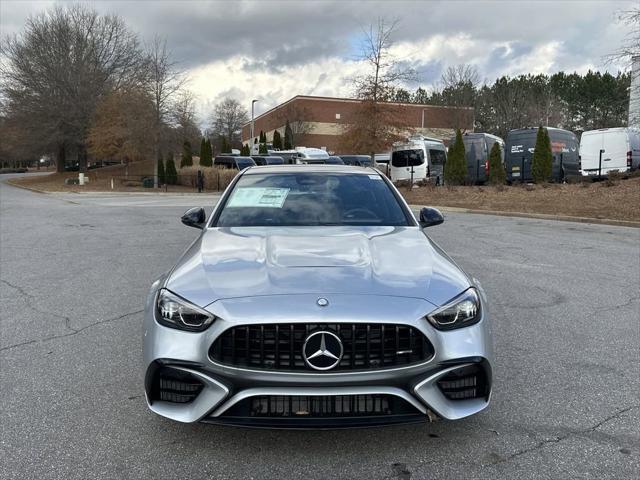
464, 383
176, 386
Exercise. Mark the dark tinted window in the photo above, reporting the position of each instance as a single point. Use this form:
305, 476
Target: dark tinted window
224, 162
274, 160
407, 158
437, 157
259, 160
335, 161
360, 160
244, 162
311, 199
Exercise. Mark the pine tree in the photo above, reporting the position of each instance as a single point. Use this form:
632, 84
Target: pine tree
542, 161
206, 160
187, 156
263, 137
161, 174
277, 140
548, 160
262, 150
171, 175
455, 170
497, 175
225, 146
203, 150
246, 151
288, 136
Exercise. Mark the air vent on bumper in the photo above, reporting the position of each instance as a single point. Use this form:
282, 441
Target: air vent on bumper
175, 386
464, 383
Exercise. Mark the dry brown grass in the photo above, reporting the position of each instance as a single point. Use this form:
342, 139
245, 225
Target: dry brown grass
617, 201
129, 179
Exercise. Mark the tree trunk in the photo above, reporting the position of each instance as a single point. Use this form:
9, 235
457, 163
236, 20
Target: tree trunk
61, 158
82, 158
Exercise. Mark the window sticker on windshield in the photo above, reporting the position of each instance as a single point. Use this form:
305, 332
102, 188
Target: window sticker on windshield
375, 177
258, 197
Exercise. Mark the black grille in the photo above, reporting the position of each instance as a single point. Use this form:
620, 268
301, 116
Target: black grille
175, 386
279, 346
304, 406
464, 383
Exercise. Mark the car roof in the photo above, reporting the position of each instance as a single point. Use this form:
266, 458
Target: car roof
310, 168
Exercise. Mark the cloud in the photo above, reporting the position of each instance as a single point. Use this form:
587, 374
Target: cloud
277, 49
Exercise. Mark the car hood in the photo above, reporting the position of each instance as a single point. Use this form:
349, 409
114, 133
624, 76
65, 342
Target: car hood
255, 261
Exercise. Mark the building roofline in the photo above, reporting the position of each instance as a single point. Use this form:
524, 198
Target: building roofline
348, 100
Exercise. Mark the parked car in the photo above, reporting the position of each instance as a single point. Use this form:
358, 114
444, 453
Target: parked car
620, 150
519, 154
72, 167
477, 148
267, 160
289, 156
233, 162
314, 299
357, 160
334, 160
308, 153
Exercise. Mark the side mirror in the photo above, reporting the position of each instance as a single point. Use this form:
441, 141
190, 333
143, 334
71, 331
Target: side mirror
194, 217
430, 217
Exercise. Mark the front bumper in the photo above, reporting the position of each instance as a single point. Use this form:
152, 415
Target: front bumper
224, 389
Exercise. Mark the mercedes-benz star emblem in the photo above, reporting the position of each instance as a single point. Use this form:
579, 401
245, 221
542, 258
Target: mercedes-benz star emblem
322, 350
322, 302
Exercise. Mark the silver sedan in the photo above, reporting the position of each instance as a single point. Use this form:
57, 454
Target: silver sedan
313, 298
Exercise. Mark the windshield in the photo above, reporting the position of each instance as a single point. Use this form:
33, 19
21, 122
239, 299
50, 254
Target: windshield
407, 158
311, 199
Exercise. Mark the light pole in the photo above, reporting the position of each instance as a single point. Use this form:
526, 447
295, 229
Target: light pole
252, 128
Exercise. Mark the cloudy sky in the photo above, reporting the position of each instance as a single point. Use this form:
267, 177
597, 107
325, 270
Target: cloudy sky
273, 50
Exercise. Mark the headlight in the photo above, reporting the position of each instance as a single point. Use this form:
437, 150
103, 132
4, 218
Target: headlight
460, 312
175, 312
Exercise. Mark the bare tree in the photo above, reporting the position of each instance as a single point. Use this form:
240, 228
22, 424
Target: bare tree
460, 75
228, 118
299, 120
54, 73
385, 72
629, 53
375, 124
183, 116
164, 81
458, 88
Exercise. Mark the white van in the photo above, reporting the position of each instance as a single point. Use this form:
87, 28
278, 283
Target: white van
381, 162
418, 157
620, 150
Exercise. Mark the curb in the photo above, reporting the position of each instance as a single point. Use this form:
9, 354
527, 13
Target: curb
105, 193
24, 187
112, 194
539, 216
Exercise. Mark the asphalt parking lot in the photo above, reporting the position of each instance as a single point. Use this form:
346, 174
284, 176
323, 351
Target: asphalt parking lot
75, 270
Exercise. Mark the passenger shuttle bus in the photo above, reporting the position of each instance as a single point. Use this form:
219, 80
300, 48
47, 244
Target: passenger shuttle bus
519, 154
418, 157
